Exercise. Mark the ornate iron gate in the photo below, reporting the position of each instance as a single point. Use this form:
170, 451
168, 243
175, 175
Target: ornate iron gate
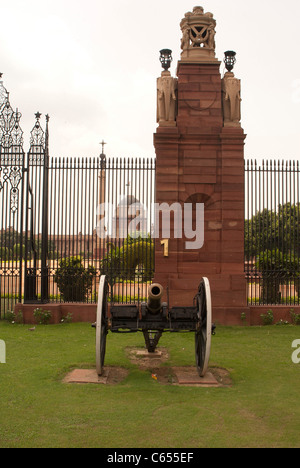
66, 221
24, 203
36, 216
63, 217
12, 161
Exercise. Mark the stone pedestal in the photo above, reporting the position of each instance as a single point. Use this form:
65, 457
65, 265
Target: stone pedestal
202, 161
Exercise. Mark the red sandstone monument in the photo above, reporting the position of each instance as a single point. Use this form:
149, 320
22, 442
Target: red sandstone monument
199, 144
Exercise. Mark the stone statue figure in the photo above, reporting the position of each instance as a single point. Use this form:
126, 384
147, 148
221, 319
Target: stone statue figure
231, 97
166, 99
211, 37
185, 41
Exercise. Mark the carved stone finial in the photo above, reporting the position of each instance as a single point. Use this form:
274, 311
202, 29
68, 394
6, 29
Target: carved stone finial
198, 36
166, 100
231, 99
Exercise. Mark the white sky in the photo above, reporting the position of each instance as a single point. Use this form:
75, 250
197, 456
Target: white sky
92, 66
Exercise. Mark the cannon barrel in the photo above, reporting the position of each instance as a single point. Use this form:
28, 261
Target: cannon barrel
155, 293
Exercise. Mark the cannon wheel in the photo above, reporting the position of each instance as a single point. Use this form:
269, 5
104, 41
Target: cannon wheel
204, 327
101, 324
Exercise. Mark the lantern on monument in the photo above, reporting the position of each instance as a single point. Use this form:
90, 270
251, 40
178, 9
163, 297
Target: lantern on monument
229, 60
165, 58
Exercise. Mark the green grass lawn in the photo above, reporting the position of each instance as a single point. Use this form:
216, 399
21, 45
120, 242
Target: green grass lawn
260, 409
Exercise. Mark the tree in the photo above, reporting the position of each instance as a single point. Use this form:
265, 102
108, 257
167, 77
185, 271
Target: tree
9, 237
74, 280
272, 240
138, 253
276, 268
19, 251
5, 253
268, 230
122, 263
289, 228
51, 249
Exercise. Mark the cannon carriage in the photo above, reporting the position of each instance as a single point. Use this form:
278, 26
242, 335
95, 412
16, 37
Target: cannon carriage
155, 317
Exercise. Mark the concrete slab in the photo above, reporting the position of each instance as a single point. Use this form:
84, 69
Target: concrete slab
145, 353
190, 376
86, 376
183, 376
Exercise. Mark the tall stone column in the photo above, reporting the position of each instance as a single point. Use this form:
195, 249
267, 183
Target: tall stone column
200, 160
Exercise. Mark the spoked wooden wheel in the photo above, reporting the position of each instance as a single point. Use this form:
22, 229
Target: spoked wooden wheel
101, 324
204, 327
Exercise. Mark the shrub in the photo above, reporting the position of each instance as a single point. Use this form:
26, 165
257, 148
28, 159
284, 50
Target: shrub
67, 319
282, 322
11, 317
276, 267
74, 280
295, 317
19, 251
134, 258
42, 316
5, 253
268, 317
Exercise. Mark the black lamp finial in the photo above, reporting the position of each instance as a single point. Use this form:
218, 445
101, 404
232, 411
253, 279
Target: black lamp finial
229, 60
165, 58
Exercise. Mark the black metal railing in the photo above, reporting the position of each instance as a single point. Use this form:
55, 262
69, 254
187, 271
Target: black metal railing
66, 221
12, 161
272, 237
100, 218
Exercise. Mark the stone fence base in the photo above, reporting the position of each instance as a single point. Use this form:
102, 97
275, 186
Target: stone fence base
221, 316
79, 312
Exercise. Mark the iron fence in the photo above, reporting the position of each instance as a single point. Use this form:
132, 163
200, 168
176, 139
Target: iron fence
66, 221
92, 230
272, 237
12, 161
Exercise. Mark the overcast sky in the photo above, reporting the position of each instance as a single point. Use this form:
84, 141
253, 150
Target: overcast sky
92, 66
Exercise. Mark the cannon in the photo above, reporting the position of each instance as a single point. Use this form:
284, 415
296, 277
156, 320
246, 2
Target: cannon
154, 317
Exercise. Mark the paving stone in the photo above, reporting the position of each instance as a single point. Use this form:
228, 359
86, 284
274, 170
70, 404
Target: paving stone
86, 376
190, 376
